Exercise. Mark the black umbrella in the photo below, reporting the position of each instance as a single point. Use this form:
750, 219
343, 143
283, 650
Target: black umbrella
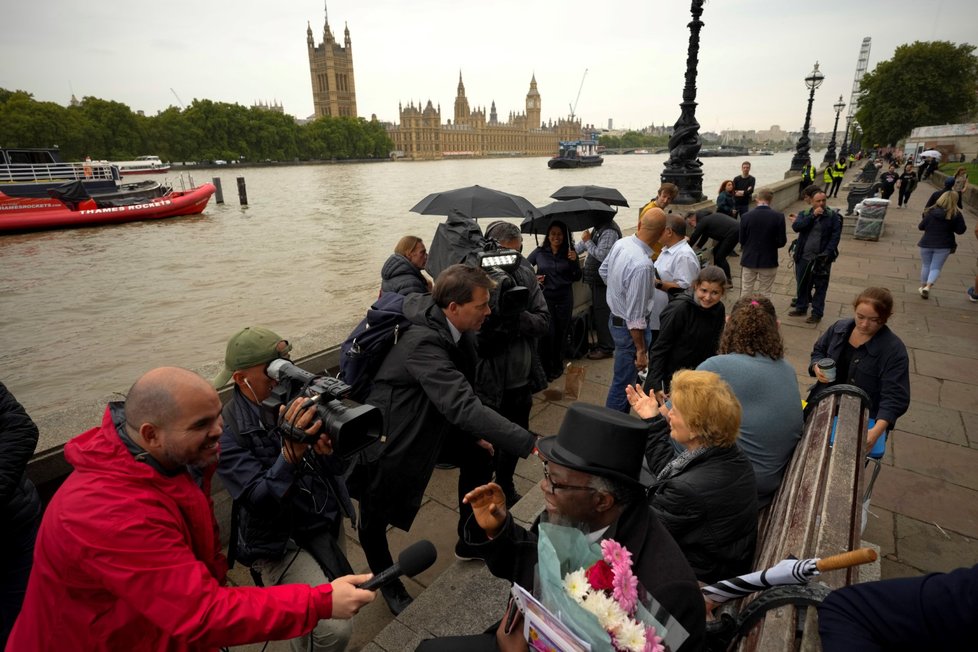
474, 202
609, 196
577, 214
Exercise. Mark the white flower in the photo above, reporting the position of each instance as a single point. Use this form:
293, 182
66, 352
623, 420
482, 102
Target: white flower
576, 585
605, 608
630, 635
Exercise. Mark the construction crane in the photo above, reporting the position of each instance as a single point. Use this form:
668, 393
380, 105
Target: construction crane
179, 101
573, 107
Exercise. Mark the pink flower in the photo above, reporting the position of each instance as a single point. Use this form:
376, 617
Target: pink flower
615, 553
625, 592
600, 576
653, 643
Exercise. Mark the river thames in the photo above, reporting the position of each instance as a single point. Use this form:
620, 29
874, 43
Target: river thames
84, 312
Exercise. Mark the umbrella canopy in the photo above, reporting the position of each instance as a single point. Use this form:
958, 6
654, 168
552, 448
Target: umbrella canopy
475, 202
609, 196
577, 214
933, 153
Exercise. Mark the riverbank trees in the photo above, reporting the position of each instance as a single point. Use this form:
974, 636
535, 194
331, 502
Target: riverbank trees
205, 130
925, 83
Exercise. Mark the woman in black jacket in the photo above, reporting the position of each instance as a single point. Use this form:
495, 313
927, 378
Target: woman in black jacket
939, 225
870, 356
557, 270
689, 332
706, 496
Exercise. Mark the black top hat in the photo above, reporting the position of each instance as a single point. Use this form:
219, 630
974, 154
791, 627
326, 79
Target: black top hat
599, 441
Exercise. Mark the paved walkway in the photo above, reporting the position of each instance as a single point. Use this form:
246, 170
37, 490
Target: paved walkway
924, 513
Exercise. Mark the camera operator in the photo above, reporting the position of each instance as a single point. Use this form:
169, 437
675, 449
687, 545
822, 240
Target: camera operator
505, 378
424, 390
289, 520
128, 555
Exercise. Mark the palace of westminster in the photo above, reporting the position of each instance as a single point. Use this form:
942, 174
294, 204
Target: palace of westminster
421, 135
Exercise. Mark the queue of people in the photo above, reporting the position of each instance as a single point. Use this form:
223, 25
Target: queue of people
683, 488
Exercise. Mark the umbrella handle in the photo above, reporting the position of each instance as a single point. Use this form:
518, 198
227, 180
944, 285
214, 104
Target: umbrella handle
846, 559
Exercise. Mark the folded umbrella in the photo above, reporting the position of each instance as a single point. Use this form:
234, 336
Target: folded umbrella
577, 214
787, 571
610, 196
475, 202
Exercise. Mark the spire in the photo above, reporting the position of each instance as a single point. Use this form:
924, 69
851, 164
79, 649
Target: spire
461, 86
346, 35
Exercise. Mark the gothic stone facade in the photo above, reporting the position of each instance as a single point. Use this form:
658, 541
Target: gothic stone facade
331, 67
422, 136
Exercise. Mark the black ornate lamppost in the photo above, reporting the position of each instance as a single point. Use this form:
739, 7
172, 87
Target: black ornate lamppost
683, 167
830, 151
844, 150
813, 81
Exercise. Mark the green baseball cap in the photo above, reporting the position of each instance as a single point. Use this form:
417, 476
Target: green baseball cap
249, 347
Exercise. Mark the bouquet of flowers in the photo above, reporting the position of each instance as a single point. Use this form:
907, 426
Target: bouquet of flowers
591, 588
609, 590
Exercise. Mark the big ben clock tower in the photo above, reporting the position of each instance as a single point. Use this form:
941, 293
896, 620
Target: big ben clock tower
533, 105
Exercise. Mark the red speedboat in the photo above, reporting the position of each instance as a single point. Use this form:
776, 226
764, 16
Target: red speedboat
35, 213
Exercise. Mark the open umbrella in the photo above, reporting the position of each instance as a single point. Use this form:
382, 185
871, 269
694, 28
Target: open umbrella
788, 571
933, 153
609, 196
475, 202
577, 214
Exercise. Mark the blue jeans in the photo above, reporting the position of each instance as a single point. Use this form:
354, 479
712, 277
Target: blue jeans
931, 262
625, 372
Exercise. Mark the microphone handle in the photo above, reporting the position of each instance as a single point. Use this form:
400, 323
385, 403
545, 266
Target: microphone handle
382, 578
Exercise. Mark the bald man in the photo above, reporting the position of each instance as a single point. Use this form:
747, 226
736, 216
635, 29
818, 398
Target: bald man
630, 276
128, 555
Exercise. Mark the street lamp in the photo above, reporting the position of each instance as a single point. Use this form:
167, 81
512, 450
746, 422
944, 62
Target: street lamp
830, 152
844, 150
683, 167
813, 81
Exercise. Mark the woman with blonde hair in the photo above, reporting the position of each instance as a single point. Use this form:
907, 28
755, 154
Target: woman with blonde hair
705, 496
939, 224
752, 362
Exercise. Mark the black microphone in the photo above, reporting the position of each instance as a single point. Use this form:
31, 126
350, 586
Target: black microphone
414, 559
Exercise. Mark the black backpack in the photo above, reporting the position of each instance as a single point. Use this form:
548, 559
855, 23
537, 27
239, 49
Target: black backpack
367, 346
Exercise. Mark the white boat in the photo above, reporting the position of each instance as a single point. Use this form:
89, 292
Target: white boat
142, 165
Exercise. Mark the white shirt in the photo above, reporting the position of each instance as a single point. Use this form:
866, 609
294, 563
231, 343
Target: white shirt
677, 264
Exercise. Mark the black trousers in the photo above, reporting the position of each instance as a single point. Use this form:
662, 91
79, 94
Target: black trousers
552, 345
836, 184
475, 468
601, 313
515, 406
17, 553
722, 250
473, 643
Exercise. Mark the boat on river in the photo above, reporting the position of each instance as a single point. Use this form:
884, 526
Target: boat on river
33, 171
142, 165
576, 154
724, 151
71, 207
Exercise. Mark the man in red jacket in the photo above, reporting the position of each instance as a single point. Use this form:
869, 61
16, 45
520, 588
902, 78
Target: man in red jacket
128, 556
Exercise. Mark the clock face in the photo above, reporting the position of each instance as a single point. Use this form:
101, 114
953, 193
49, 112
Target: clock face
534, 104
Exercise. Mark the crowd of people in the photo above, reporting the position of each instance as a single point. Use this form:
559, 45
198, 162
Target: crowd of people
129, 548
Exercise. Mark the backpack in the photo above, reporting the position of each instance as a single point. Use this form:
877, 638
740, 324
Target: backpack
367, 346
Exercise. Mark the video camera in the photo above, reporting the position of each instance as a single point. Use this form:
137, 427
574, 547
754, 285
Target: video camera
352, 426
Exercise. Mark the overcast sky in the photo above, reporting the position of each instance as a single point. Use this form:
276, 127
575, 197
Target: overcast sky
753, 59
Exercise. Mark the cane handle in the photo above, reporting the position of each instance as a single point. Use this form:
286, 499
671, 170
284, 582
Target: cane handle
846, 559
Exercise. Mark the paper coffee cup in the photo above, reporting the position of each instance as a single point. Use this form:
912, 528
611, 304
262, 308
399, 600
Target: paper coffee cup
827, 365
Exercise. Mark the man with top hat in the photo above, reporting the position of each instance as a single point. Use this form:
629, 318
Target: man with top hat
591, 475
288, 497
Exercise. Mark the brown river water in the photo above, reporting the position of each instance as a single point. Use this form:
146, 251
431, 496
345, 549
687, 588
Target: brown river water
84, 312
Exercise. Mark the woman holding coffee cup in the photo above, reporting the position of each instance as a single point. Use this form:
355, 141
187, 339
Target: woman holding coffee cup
867, 354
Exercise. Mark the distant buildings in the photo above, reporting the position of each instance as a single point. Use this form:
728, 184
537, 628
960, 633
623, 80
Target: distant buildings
274, 106
331, 68
421, 134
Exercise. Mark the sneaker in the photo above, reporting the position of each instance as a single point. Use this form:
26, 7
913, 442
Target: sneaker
972, 295
465, 552
924, 292
797, 313
396, 596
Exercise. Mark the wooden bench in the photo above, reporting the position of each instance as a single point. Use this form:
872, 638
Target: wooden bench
816, 513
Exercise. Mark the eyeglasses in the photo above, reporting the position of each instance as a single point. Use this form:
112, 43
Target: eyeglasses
554, 486
871, 320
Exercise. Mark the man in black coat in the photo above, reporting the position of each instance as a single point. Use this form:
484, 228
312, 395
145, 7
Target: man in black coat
743, 188
424, 390
591, 471
819, 232
762, 233
20, 508
722, 228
